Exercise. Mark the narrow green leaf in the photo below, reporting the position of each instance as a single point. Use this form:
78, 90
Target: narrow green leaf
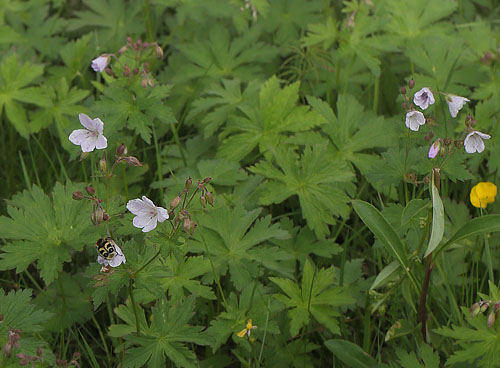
381, 228
351, 354
437, 221
477, 226
385, 275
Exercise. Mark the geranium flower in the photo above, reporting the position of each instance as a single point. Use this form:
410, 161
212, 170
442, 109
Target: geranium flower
474, 141
423, 98
246, 331
482, 194
115, 261
455, 103
100, 63
91, 137
434, 150
146, 213
414, 119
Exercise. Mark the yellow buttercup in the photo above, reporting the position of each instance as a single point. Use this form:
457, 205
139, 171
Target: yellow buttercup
482, 194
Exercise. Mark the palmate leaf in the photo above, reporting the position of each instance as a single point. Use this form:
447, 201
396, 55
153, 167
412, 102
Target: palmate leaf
267, 124
316, 297
317, 179
235, 238
166, 337
14, 81
44, 230
354, 132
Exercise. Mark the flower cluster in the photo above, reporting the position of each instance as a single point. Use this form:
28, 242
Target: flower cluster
482, 194
474, 139
483, 306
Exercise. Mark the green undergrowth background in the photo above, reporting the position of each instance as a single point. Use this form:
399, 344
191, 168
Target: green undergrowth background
323, 210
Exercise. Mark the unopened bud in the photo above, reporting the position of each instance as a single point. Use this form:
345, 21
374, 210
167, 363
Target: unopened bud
159, 52
105, 217
136, 71
126, 71
120, 150
431, 134
133, 161
23, 362
6, 348
210, 198
90, 190
97, 216
77, 196
103, 166
144, 83
411, 83
145, 67
109, 71
403, 90
484, 305
145, 45
459, 144
21, 356
207, 180
76, 355
203, 201
404, 106
175, 202
427, 138
129, 40
491, 319
189, 225
122, 50
475, 309
189, 183
39, 352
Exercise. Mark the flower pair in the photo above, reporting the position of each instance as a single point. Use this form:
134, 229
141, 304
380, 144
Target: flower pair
425, 97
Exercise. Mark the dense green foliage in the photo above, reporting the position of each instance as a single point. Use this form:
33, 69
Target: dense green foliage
322, 230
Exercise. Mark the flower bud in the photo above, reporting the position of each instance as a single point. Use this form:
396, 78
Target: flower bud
77, 196
122, 50
23, 361
403, 90
97, 216
484, 305
189, 225
109, 71
404, 106
175, 202
210, 198
203, 201
411, 83
120, 150
133, 161
459, 143
76, 355
135, 71
159, 52
431, 134
144, 83
491, 319
90, 190
206, 180
475, 309
7, 348
39, 352
129, 40
103, 166
189, 183
126, 71
145, 45
145, 67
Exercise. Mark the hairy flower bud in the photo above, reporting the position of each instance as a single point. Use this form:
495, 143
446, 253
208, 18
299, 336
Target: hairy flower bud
189, 183
189, 225
103, 166
175, 202
159, 52
133, 161
411, 83
210, 198
23, 361
90, 190
203, 201
403, 90
120, 150
77, 196
97, 216
491, 319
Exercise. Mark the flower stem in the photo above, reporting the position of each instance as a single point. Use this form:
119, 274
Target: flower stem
488, 254
148, 20
134, 306
216, 278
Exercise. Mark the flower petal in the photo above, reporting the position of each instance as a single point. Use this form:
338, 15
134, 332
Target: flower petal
162, 214
138, 207
148, 201
151, 225
87, 122
88, 145
98, 125
101, 142
79, 136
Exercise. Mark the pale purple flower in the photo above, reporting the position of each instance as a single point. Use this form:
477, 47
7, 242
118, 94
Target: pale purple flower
100, 63
455, 103
414, 119
91, 137
115, 261
146, 213
423, 98
434, 150
474, 142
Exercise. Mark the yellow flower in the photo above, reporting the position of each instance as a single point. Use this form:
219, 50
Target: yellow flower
483, 193
246, 331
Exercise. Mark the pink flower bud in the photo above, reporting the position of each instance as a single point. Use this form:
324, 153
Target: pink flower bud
403, 90
159, 52
411, 83
77, 196
120, 150
189, 183
144, 83
97, 216
133, 161
39, 352
210, 198
175, 202
122, 50
491, 319
90, 190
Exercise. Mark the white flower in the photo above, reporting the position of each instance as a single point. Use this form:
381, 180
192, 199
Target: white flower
414, 119
116, 261
455, 103
146, 213
91, 137
100, 63
423, 98
474, 141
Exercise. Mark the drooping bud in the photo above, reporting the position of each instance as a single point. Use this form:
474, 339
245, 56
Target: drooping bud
90, 190
203, 201
491, 319
206, 180
103, 166
459, 143
189, 225
403, 90
109, 71
411, 83
475, 309
144, 83
23, 362
120, 150
133, 161
77, 196
484, 305
210, 198
404, 106
97, 216
159, 52
175, 202
122, 50
189, 183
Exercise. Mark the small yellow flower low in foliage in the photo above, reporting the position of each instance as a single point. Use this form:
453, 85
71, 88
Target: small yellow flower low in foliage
482, 194
246, 331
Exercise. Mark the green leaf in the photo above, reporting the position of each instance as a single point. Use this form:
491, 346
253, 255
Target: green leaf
351, 354
437, 221
317, 297
318, 180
